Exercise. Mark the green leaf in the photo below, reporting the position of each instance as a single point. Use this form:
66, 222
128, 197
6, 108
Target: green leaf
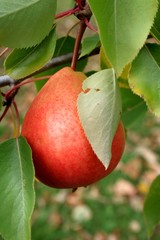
22, 62
25, 23
64, 46
123, 26
99, 108
133, 107
156, 26
16, 189
145, 74
89, 44
152, 206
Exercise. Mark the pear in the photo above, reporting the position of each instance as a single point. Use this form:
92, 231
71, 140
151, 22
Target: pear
62, 155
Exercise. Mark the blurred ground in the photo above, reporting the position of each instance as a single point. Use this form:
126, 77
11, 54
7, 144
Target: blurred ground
111, 209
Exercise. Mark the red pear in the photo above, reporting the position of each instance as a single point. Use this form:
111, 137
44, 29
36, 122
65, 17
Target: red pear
62, 155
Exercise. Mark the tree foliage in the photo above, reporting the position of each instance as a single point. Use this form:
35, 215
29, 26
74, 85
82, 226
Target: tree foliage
128, 43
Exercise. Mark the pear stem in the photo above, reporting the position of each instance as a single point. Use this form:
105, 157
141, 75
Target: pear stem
81, 3
4, 113
66, 13
80, 33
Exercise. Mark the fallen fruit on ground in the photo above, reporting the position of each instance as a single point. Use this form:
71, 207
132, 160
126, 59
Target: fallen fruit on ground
62, 155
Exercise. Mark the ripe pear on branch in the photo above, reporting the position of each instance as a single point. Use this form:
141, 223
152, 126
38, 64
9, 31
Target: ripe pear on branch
62, 154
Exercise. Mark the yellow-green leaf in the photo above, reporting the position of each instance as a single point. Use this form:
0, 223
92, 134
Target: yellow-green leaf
144, 78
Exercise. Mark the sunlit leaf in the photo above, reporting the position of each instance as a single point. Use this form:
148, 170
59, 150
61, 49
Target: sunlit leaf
152, 206
25, 23
16, 189
123, 27
99, 108
145, 75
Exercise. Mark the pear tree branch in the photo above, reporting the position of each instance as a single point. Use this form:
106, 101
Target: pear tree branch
6, 80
